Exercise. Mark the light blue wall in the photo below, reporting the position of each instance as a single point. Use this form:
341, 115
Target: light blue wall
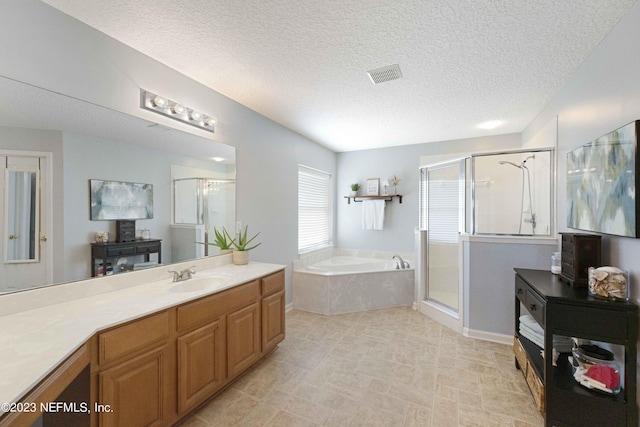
602, 95
404, 162
43, 47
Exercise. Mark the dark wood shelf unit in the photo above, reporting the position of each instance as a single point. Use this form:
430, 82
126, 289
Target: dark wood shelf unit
570, 311
387, 198
113, 250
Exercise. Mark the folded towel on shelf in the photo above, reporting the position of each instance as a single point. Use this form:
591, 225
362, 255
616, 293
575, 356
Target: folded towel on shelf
528, 320
534, 338
560, 343
524, 329
373, 214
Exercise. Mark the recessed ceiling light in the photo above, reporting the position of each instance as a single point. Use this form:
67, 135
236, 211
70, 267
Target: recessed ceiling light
217, 159
491, 124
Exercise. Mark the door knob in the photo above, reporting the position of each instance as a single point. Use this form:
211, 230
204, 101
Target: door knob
12, 237
43, 238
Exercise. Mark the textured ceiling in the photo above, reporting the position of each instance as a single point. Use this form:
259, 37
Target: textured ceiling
303, 63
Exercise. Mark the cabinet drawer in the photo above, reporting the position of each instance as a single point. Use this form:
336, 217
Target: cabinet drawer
119, 251
536, 306
567, 269
273, 283
207, 309
567, 239
148, 248
133, 336
521, 289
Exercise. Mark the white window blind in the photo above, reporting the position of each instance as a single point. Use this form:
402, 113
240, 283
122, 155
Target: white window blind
439, 204
314, 212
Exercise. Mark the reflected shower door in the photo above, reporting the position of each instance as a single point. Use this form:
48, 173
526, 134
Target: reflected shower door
445, 198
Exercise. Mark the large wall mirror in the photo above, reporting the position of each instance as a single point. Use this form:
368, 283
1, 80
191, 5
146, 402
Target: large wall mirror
52, 145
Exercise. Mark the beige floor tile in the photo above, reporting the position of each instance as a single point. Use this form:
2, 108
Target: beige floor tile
416, 416
390, 367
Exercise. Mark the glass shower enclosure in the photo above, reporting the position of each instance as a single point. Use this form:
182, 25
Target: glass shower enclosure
489, 194
202, 205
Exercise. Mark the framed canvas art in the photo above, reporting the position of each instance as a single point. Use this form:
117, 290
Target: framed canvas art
601, 184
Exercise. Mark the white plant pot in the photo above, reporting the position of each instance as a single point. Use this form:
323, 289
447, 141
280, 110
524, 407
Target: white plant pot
240, 257
353, 194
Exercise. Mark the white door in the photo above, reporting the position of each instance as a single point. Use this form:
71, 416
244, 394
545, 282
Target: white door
25, 258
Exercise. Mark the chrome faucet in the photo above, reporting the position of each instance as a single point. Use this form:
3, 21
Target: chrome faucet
400, 263
184, 274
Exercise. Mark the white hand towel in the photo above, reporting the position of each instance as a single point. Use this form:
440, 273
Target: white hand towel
373, 214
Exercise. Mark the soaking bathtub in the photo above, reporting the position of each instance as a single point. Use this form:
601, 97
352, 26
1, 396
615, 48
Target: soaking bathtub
343, 281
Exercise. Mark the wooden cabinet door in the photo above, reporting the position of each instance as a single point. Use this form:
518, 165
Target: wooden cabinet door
201, 364
134, 391
243, 339
273, 327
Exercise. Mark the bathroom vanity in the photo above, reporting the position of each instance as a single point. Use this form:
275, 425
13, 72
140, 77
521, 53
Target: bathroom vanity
151, 353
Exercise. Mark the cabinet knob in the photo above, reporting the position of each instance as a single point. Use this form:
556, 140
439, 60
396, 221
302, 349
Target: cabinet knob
43, 238
12, 237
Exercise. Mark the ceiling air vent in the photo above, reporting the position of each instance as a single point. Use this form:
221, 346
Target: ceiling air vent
384, 74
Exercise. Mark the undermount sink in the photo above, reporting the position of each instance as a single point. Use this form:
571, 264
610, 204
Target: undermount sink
197, 284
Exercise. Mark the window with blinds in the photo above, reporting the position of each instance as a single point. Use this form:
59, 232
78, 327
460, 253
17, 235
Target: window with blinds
314, 209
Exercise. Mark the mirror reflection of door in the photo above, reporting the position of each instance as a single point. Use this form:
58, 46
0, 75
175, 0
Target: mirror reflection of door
24, 230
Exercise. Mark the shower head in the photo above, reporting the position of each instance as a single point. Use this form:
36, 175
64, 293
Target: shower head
504, 162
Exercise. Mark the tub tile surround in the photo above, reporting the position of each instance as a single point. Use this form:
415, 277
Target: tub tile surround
42, 327
386, 367
344, 293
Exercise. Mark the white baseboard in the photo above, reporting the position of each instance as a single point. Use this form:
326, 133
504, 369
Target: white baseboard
488, 336
441, 315
288, 307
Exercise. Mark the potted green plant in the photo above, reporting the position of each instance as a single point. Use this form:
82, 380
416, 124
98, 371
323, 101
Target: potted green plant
354, 189
222, 240
241, 246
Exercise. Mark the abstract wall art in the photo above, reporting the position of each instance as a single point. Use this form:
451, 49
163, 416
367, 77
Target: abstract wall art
601, 184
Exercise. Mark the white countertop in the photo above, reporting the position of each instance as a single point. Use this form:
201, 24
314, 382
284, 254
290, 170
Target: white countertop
34, 341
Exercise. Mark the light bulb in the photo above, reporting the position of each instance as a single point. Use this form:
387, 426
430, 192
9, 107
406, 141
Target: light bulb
211, 121
195, 116
178, 109
159, 101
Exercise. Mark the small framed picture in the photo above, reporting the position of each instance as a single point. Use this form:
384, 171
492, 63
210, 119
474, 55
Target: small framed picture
373, 186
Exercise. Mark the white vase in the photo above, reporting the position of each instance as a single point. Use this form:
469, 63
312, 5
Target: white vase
240, 257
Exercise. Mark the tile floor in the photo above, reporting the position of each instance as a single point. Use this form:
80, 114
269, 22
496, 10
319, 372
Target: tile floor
388, 367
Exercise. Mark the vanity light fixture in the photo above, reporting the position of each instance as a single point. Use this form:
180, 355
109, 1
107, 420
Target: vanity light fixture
159, 104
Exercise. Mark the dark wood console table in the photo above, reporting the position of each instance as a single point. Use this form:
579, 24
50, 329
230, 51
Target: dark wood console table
113, 250
566, 311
